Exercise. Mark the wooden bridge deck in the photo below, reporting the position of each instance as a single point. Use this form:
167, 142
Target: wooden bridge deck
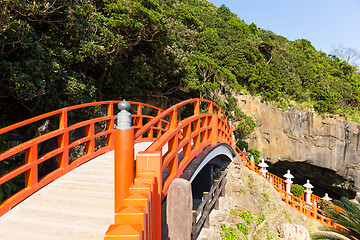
79, 205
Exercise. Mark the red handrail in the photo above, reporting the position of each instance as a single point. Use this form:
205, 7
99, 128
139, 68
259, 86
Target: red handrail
156, 167
30, 147
188, 136
310, 210
165, 160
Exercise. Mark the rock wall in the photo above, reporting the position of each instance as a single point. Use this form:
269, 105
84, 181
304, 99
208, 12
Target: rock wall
295, 135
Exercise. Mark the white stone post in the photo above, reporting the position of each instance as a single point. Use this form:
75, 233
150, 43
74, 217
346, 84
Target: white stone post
308, 191
288, 181
326, 197
263, 167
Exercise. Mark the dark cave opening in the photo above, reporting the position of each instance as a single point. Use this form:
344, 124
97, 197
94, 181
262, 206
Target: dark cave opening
324, 180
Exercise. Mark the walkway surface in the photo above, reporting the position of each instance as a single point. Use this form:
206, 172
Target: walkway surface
79, 205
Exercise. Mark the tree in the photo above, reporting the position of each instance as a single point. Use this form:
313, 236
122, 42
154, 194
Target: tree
348, 54
348, 218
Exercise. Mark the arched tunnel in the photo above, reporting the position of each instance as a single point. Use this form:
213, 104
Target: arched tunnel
204, 180
201, 173
205, 168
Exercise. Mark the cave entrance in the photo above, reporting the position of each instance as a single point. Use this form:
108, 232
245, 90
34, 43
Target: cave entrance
324, 180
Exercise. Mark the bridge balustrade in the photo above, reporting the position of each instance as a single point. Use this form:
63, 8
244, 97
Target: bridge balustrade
61, 133
176, 141
164, 161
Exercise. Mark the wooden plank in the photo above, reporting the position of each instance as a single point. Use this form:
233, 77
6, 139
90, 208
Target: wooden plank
79, 205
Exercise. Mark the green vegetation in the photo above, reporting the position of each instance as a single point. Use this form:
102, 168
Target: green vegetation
251, 184
243, 228
60, 53
349, 219
297, 190
247, 224
265, 197
228, 233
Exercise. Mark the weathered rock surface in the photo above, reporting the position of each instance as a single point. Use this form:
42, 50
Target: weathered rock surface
295, 135
248, 192
294, 231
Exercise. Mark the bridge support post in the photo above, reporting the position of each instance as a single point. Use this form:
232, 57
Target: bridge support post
206, 197
124, 155
179, 209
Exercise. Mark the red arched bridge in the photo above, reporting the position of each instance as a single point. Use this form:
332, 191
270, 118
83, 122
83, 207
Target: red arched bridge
63, 198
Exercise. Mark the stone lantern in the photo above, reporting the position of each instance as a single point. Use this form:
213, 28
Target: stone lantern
308, 191
263, 167
326, 197
288, 176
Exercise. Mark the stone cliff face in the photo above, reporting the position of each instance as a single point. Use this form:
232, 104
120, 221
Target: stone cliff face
299, 136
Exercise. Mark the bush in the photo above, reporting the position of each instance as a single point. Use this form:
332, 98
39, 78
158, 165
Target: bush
297, 190
256, 153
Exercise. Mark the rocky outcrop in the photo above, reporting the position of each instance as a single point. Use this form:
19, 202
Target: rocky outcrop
295, 135
294, 231
248, 192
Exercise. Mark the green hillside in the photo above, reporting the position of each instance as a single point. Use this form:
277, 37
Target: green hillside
60, 53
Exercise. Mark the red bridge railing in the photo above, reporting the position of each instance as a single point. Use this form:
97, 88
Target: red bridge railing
27, 152
310, 210
138, 215
176, 141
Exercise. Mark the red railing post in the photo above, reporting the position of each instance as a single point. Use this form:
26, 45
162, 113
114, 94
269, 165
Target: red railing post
90, 145
173, 119
197, 107
232, 135
138, 120
159, 126
63, 140
124, 154
214, 131
31, 175
252, 163
110, 125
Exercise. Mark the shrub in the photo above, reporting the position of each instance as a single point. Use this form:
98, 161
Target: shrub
297, 190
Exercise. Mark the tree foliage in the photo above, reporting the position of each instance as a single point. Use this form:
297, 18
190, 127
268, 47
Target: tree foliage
58, 53
348, 218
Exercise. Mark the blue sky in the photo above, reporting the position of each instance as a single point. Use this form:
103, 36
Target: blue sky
325, 23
